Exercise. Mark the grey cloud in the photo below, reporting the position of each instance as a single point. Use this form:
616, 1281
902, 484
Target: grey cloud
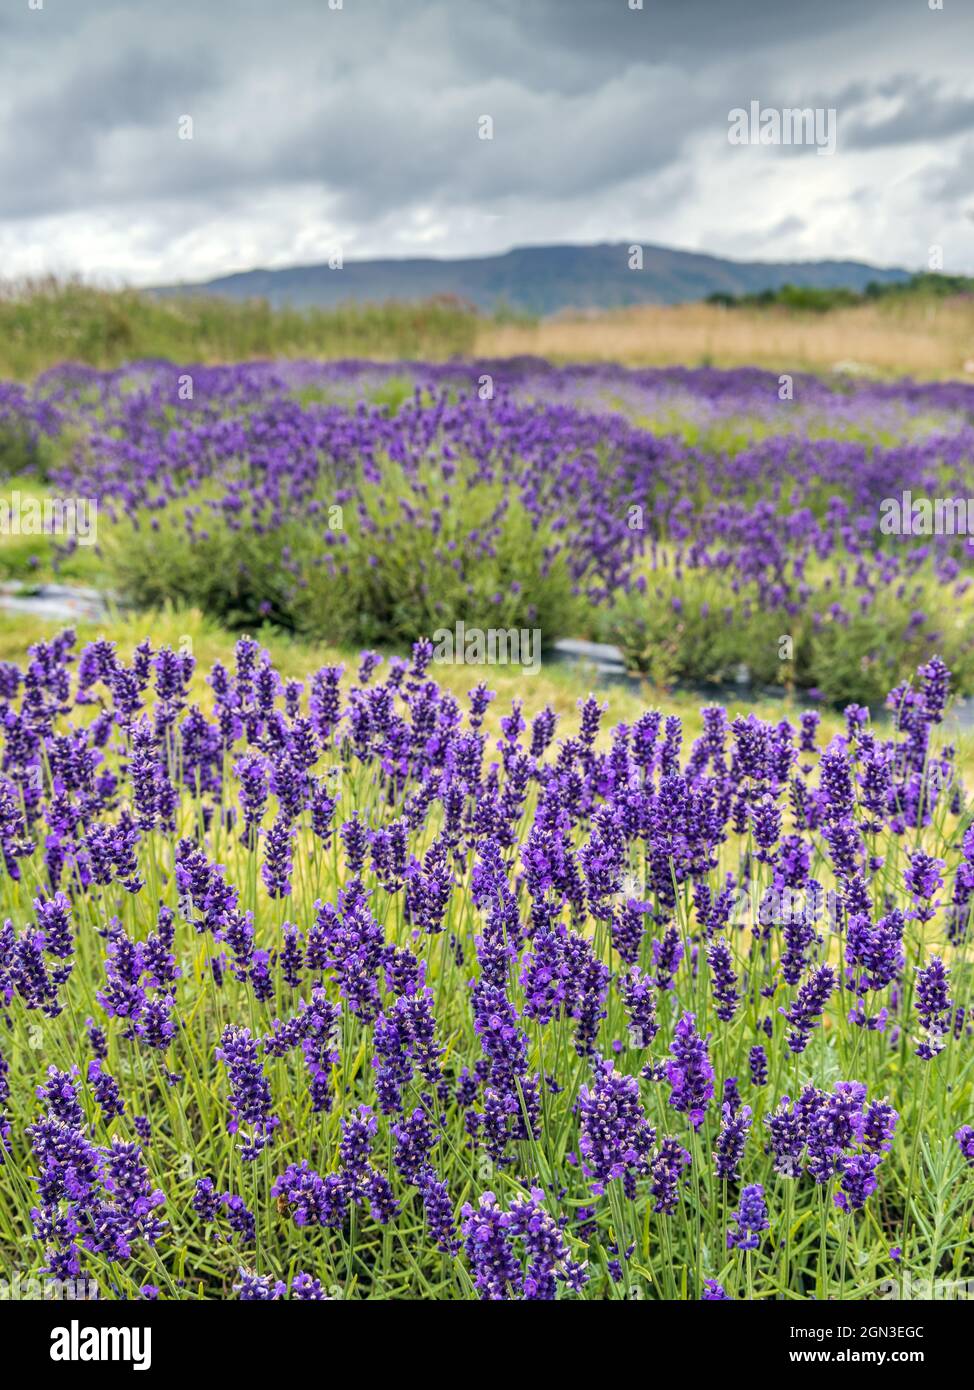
952, 182
692, 31
787, 226
925, 114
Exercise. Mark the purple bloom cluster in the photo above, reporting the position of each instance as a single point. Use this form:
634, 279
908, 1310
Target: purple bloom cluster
615, 1136
751, 1217
768, 516
489, 1232
689, 1072
829, 1134
965, 1138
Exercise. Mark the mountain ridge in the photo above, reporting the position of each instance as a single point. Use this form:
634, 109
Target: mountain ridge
537, 279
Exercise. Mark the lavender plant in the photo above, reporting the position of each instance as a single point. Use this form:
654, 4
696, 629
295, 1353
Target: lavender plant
326, 990
305, 494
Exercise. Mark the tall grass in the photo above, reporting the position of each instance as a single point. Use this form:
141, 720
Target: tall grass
43, 322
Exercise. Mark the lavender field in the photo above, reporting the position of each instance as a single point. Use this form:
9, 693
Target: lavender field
698, 519
350, 979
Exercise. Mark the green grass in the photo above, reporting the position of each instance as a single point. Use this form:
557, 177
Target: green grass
732, 434
48, 322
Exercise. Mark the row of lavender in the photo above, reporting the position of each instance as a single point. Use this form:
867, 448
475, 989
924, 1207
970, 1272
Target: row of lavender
325, 991
514, 493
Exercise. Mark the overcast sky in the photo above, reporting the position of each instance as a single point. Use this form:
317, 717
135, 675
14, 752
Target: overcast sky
356, 128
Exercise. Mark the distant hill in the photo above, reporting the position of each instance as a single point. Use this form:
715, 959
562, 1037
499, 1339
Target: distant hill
540, 279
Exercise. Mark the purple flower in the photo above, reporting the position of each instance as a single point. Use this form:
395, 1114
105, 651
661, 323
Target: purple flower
311, 1199
933, 1005
922, 879
54, 920
206, 1200
667, 955
857, 1182
615, 1138
349, 941
786, 1138
60, 1095
292, 956
808, 1006
239, 1217
731, 1141
306, 1289
543, 1243
667, 1169
360, 1180
489, 1233
322, 812
250, 1092
751, 1217
758, 1064
832, 1124
879, 1126
640, 1001
414, 1142
723, 980
106, 1092
965, 1138
355, 838
628, 929
486, 1232
252, 772
258, 1288
276, 869
689, 1072
439, 1213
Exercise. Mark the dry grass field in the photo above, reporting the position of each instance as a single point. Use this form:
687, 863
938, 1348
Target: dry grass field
917, 337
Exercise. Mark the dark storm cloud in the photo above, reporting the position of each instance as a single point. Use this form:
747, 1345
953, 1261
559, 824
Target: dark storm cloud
56, 138
386, 111
697, 30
